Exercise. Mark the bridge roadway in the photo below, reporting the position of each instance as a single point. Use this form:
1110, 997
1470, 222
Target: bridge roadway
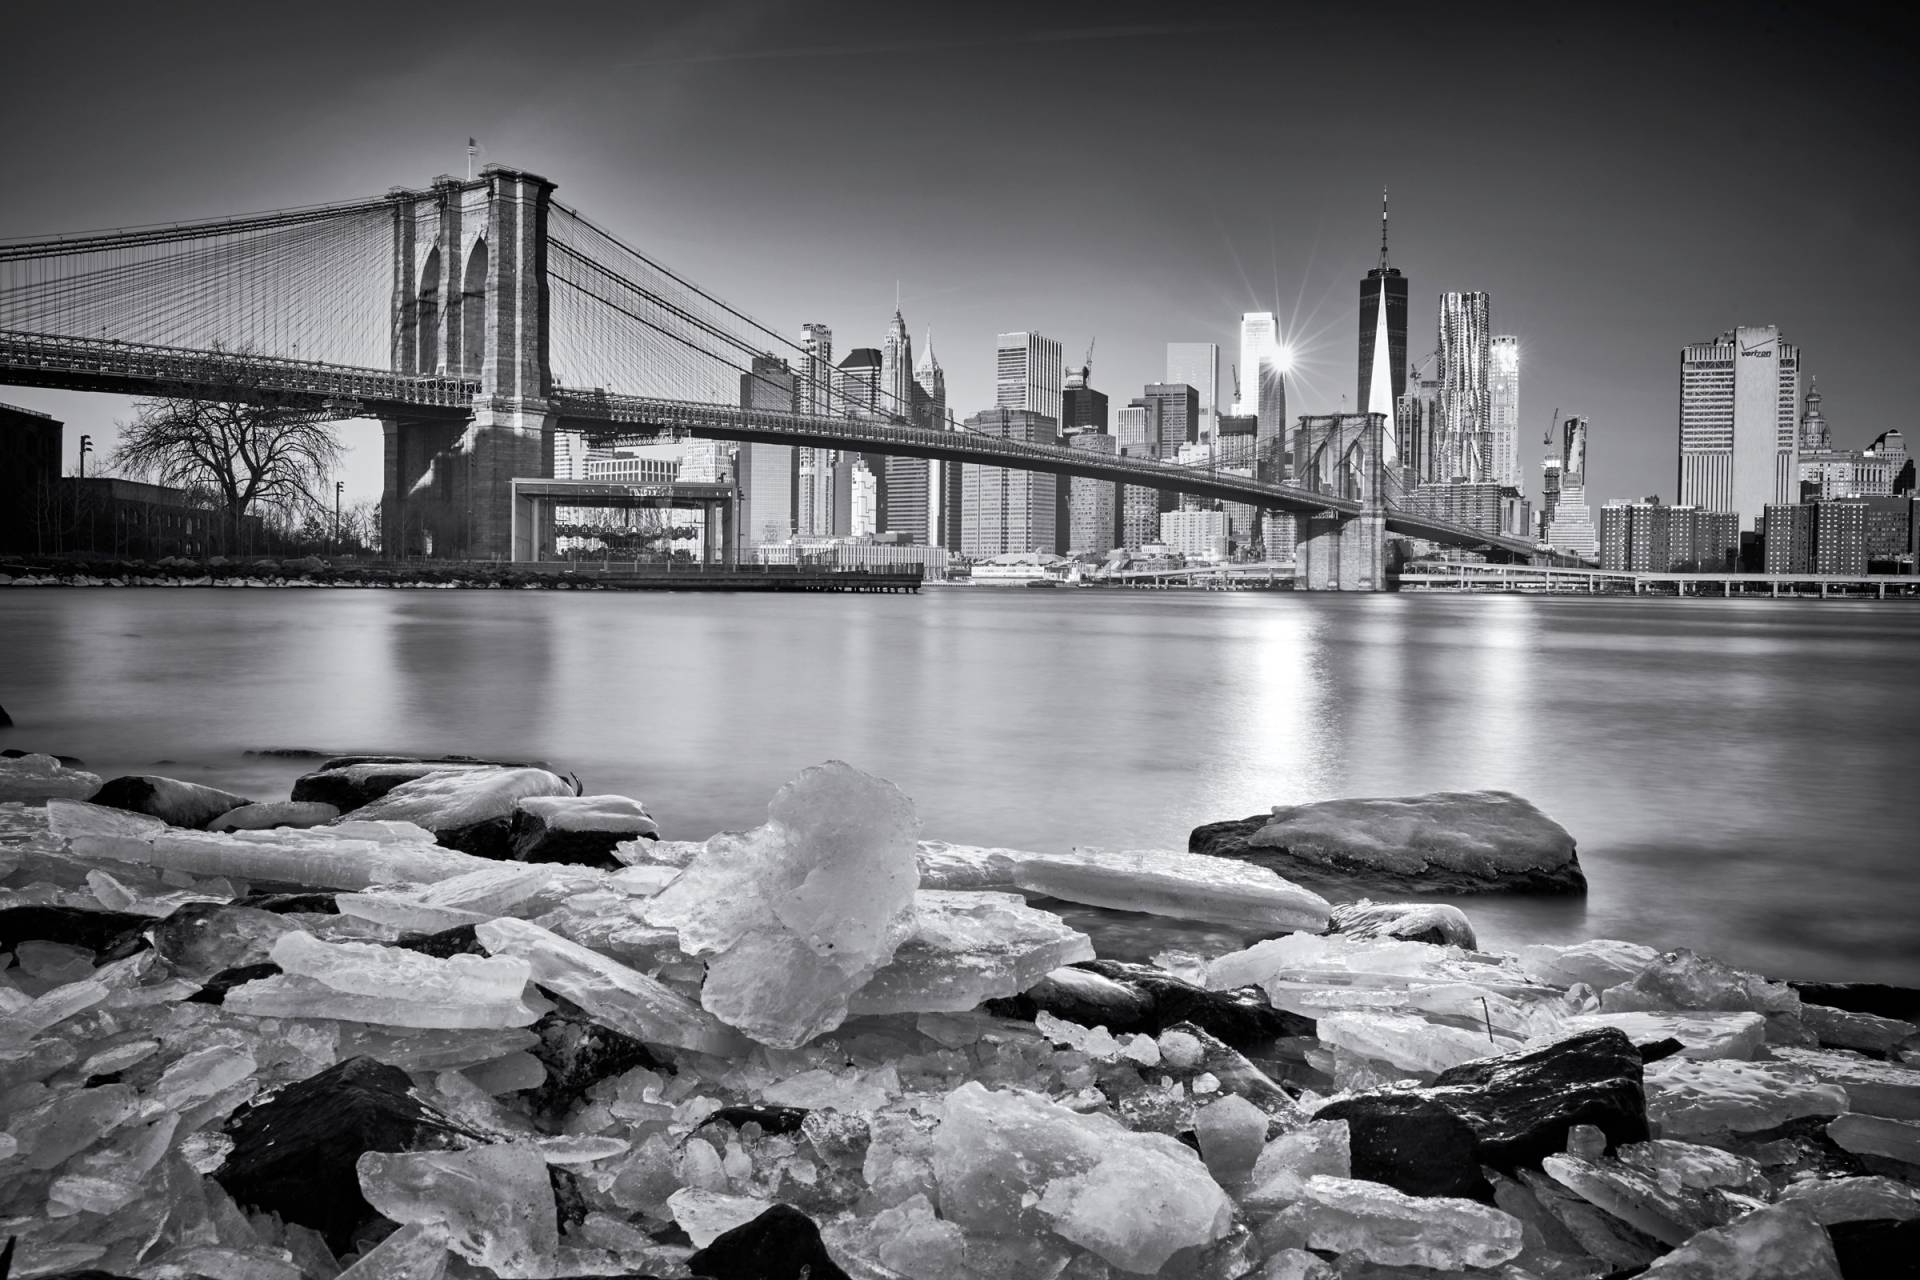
125, 368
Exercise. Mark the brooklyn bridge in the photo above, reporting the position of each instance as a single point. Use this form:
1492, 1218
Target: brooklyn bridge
478, 319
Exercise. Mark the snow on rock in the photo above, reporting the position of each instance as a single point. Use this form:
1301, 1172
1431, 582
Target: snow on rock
968, 947
800, 913
1011, 1163
41, 777
177, 803
1436, 922
579, 829
1185, 886
264, 816
1379, 1224
466, 809
1448, 842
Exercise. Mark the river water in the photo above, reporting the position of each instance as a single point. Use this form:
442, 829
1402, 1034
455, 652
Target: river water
1740, 775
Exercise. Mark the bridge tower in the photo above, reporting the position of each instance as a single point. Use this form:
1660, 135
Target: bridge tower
470, 299
1342, 454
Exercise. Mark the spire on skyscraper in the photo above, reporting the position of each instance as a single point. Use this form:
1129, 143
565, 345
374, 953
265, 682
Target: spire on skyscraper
1383, 231
927, 360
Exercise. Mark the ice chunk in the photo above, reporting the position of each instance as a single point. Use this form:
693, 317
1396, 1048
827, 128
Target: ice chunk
799, 914
1687, 1096
470, 809
965, 866
611, 993
966, 948
1780, 1242
292, 996
494, 1202
1382, 1225
1684, 979
69, 1122
1311, 975
390, 986
1831, 1200
1187, 886
1406, 1041
1627, 1194
1013, 1163
1599, 963
909, 1239
1678, 1166
1878, 1136
346, 855
1281, 1172
1875, 1087
38, 777
417, 1251
1232, 1133
1435, 922
1701, 1035
703, 1215
1847, 1029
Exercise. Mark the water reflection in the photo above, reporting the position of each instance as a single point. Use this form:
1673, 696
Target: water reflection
1735, 772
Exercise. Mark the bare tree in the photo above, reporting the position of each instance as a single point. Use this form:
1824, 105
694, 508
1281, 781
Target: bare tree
248, 446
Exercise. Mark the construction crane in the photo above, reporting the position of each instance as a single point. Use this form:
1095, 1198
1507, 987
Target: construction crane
1234, 369
1087, 363
1552, 428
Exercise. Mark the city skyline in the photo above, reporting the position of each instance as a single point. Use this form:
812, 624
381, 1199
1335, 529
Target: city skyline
1602, 292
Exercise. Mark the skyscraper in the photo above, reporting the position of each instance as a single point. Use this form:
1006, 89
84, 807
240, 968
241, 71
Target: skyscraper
1198, 365
1257, 340
902, 480
813, 388
1263, 390
1566, 521
942, 478
1383, 289
764, 481
1028, 373
1092, 505
1081, 405
1173, 414
1003, 510
1814, 434
1503, 409
1465, 339
1740, 422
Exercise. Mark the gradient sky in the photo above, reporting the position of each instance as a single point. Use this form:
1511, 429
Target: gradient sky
1622, 180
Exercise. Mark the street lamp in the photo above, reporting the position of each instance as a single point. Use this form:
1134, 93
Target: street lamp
338, 485
86, 447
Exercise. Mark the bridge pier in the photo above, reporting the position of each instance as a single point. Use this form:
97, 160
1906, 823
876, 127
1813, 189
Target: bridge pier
1335, 550
422, 503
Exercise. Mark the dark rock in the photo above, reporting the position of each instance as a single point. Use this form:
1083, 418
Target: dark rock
1863, 997
110, 935
1140, 999
770, 1119
205, 937
177, 803
288, 753
361, 781
1448, 842
1520, 1105
1659, 1049
271, 814
1410, 1143
319, 904
569, 1202
1877, 1249
469, 808
577, 829
457, 941
578, 1053
1432, 922
66, 762
294, 1153
780, 1244
6, 722
214, 990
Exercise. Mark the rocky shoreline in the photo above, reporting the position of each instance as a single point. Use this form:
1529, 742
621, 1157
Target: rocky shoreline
308, 571
439, 1016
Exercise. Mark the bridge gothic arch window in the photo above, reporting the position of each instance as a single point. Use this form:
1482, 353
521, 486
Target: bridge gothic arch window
428, 312
473, 310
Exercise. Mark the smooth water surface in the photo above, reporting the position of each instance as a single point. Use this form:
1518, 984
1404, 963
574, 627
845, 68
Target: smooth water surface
1740, 775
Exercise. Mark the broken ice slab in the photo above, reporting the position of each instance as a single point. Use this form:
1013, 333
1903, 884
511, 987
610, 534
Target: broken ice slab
1408, 1041
799, 913
1187, 886
1281, 1170
966, 866
1310, 975
705, 1215
1629, 1195
1831, 1200
1012, 1163
1679, 1165
495, 1202
417, 1251
348, 855
40, 777
390, 986
1701, 1035
1849, 1029
1878, 1136
1599, 962
623, 999
1780, 1242
1377, 1223
1688, 1096
1874, 1087
968, 947
1684, 979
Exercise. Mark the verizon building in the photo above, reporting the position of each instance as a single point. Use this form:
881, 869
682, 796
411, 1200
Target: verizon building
1739, 423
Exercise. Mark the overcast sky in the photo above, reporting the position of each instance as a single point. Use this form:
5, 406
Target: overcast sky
1621, 180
